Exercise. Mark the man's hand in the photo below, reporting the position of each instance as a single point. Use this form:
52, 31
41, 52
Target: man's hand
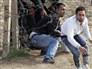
82, 49
45, 13
57, 33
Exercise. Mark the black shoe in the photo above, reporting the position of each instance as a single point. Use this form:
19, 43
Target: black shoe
42, 53
49, 60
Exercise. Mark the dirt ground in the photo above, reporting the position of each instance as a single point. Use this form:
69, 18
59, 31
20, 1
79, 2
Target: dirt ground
63, 61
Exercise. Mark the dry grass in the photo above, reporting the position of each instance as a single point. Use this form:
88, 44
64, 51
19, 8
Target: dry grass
63, 61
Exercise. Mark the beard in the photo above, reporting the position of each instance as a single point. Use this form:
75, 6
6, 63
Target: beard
81, 20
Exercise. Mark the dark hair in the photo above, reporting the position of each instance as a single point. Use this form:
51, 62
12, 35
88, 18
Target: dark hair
31, 7
52, 7
58, 5
55, 5
80, 8
43, 1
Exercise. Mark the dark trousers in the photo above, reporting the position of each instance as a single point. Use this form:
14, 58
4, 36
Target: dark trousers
75, 51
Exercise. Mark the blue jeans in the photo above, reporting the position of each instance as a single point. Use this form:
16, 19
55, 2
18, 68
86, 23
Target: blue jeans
47, 41
75, 51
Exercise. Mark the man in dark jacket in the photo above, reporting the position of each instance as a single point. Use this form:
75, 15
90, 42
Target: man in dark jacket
47, 31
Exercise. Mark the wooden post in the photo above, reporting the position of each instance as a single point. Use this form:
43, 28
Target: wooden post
1, 26
14, 25
7, 27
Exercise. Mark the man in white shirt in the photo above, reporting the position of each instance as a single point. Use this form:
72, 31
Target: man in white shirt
71, 30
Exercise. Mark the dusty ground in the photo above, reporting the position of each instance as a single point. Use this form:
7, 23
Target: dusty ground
63, 61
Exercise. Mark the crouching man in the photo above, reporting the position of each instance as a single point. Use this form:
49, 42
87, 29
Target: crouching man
71, 30
47, 31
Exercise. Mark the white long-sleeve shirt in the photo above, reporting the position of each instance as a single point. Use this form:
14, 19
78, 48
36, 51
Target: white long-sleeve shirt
72, 26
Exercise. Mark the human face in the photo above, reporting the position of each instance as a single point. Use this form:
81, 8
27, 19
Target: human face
61, 10
32, 11
80, 16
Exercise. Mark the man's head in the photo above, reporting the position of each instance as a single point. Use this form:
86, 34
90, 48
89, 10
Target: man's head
60, 9
80, 13
31, 10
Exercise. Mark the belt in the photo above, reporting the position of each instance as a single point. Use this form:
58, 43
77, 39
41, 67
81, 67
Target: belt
33, 35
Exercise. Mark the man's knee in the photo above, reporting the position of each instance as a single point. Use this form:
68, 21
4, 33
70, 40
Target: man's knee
80, 40
86, 46
54, 40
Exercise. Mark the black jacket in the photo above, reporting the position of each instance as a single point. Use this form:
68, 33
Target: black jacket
49, 25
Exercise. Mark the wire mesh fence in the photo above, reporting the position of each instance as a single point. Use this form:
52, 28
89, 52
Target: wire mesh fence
22, 35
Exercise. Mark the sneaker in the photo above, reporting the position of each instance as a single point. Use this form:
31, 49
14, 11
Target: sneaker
48, 60
86, 66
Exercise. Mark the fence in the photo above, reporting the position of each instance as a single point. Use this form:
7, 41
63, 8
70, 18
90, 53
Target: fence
9, 28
